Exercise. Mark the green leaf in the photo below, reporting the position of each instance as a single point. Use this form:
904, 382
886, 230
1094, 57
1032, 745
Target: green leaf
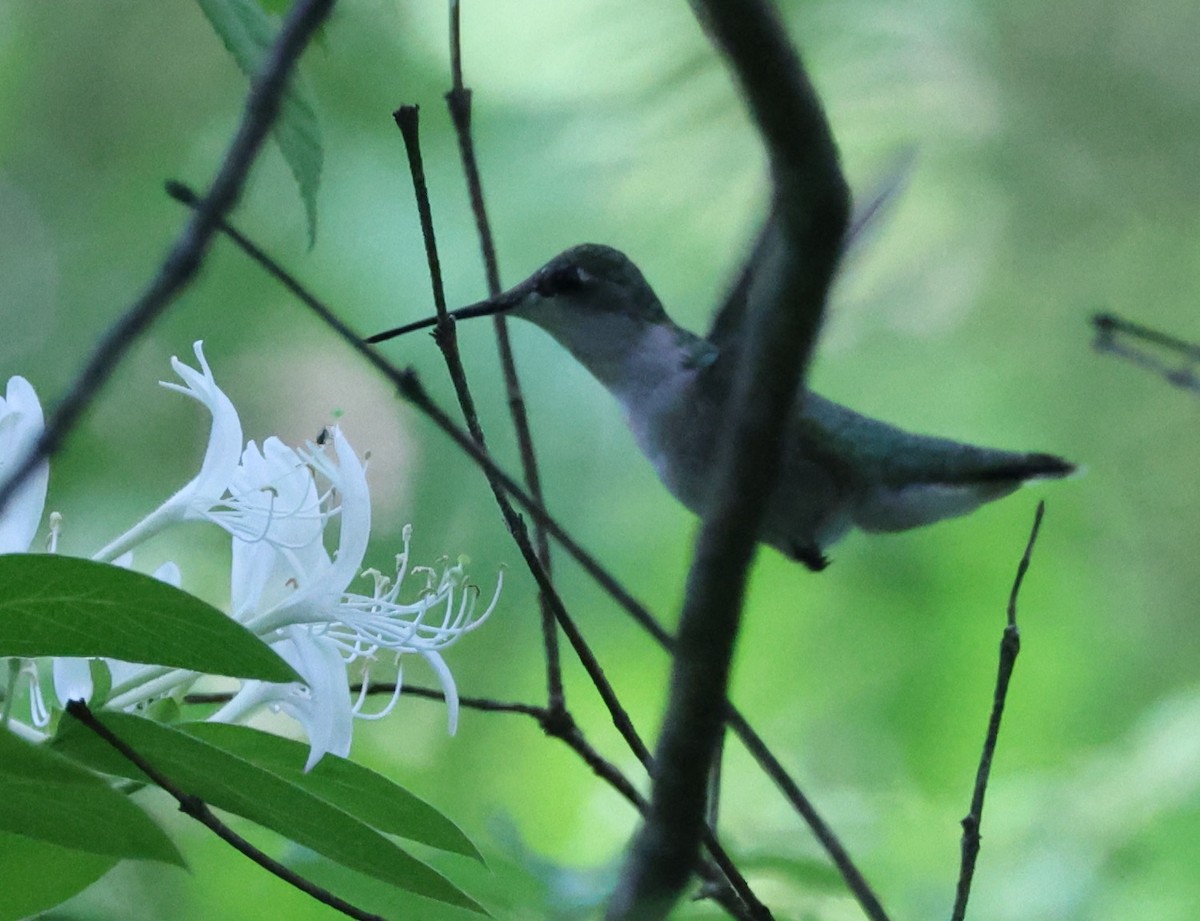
247, 33
27, 886
359, 791
232, 783
45, 797
64, 606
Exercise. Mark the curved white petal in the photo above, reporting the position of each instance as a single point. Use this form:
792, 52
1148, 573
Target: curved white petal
169, 573
224, 440
327, 713
321, 583
72, 679
446, 680
21, 424
196, 499
321, 706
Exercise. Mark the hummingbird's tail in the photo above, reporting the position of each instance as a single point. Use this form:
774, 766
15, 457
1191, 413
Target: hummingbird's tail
981, 477
1026, 467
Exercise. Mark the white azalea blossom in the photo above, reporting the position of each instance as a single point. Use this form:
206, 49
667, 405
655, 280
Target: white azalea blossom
279, 505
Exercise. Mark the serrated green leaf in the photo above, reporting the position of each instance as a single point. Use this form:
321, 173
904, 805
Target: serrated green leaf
247, 33
364, 794
236, 785
28, 889
45, 797
64, 606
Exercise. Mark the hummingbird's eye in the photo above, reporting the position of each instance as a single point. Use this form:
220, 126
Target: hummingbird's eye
562, 280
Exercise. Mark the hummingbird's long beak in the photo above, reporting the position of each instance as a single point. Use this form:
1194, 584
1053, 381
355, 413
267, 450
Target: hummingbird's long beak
501, 303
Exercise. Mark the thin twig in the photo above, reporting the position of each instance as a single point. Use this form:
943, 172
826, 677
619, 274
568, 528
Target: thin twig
409, 387
197, 809
771, 766
407, 121
183, 260
813, 204
1110, 327
727, 885
558, 720
485, 704
1010, 646
1110, 324
458, 100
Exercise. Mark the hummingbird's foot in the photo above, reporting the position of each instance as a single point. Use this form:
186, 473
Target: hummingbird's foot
810, 555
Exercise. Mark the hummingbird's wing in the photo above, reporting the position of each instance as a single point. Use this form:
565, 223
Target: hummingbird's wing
869, 212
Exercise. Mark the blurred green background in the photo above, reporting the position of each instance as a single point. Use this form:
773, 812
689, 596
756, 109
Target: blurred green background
1055, 174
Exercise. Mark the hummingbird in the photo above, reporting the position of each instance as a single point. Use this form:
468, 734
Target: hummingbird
839, 470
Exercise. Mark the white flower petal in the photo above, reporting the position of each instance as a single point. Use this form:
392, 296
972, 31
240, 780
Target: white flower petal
225, 437
446, 680
205, 491
21, 424
72, 678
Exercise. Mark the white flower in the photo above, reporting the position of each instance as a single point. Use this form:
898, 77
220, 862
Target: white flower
293, 593
207, 489
278, 504
21, 425
282, 572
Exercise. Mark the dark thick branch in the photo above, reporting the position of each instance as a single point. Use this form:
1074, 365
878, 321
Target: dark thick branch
184, 259
813, 203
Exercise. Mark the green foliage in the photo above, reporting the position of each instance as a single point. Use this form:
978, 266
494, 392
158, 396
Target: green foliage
29, 889
359, 791
265, 783
247, 32
1055, 175
64, 606
46, 797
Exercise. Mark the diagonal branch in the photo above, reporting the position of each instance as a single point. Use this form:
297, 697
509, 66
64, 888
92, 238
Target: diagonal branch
812, 201
199, 810
1127, 340
185, 256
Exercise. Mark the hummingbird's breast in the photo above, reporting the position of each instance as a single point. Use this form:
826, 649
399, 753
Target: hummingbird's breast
678, 426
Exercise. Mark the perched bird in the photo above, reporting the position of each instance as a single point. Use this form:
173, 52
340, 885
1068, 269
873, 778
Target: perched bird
839, 469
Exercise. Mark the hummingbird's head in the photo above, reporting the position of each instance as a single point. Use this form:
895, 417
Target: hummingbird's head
590, 298
587, 281
595, 302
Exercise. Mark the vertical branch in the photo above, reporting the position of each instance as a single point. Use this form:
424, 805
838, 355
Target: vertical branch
458, 100
1010, 646
812, 201
183, 260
